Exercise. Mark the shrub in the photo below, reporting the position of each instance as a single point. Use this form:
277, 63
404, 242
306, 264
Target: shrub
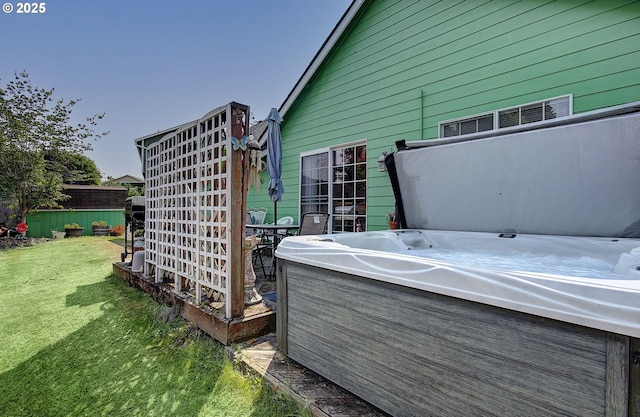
117, 230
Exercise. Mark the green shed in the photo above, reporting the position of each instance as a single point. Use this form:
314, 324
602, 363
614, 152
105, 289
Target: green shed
88, 203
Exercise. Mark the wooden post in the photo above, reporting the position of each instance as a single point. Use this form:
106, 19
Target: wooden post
239, 129
634, 377
617, 376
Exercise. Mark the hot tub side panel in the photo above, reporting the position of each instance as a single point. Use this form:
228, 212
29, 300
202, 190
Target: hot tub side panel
411, 352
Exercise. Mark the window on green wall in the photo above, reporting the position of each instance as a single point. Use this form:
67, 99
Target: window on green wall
514, 116
334, 181
314, 183
534, 112
464, 127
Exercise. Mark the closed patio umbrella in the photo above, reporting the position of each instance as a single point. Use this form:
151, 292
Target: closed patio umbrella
274, 159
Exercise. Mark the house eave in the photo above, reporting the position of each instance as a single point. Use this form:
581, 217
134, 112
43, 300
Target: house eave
318, 59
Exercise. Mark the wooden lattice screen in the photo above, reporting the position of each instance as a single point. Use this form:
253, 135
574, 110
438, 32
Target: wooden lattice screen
193, 185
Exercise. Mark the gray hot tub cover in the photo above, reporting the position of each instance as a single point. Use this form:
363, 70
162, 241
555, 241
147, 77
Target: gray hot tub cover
576, 180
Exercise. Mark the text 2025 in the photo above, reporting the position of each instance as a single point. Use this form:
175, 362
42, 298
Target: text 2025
31, 7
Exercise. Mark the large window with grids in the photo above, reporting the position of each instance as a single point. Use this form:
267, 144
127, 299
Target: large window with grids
513, 116
334, 181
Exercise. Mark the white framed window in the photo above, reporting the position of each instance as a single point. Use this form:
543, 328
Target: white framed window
314, 183
334, 181
535, 112
514, 116
472, 124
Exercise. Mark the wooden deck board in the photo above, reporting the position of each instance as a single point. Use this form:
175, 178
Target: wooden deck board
323, 398
258, 319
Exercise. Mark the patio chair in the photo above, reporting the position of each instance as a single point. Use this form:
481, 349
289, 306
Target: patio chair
268, 243
258, 214
260, 247
313, 224
285, 221
269, 238
248, 219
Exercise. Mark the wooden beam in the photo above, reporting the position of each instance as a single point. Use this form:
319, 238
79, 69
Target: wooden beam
634, 377
239, 128
282, 308
617, 377
257, 321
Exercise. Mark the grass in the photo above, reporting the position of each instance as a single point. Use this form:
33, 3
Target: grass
77, 341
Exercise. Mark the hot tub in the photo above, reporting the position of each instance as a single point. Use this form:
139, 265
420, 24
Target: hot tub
465, 323
594, 282
512, 290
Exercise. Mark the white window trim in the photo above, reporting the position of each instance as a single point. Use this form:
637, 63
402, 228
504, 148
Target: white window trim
304, 154
496, 113
329, 151
465, 118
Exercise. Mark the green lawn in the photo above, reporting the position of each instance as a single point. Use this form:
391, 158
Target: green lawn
77, 341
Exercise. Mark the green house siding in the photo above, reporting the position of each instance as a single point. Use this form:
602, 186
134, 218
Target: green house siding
402, 67
43, 222
259, 199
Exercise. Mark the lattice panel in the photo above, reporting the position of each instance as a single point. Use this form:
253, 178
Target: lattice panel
188, 208
151, 209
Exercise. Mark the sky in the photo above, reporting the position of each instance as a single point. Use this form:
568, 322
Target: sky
151, 65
